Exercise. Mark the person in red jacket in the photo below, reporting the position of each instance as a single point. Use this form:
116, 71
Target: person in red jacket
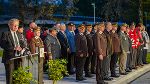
133, 36
140, 45
29, 32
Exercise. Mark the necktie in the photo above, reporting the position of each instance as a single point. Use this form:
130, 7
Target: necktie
72, 33
15, 38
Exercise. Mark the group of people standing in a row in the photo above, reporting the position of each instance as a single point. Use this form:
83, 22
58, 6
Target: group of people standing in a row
93, 49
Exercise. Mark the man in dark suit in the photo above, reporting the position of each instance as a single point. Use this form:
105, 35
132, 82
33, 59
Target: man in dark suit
61, 35
81, 52
101, 49
89, 37
10, 42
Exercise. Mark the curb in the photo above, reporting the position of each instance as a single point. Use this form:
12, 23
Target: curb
131, 76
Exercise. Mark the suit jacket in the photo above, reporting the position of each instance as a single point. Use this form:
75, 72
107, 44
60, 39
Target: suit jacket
64, 43
81, 45
124, 41
35, 44
71, 40
63, 40
116, 42
53, 46
89, 38
7, 43
109, 42
101, 44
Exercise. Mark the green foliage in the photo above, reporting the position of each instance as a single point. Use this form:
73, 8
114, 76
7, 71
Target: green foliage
22, 76
57, 69
1, 53
148, 58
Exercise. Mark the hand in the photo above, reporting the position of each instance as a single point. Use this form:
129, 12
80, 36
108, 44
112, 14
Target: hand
68, 50
81, 55
18, 48
50, 56
100, 57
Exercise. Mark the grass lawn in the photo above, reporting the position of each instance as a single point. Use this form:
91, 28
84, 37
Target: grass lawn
1, 53
148, 58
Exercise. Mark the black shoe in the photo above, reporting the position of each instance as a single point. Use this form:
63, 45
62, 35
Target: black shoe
124, 73
108, 78
128, 70
80, 79
88, 75
115, 75
71, 73
102, 82
93, 72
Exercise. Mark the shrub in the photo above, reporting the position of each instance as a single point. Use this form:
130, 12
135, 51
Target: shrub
57, 69
22, 76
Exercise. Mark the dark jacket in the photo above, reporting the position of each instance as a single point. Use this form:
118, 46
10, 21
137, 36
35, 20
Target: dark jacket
116, 42
101, 44
63, 42
81, 45
109, 42
90, 43
7, 43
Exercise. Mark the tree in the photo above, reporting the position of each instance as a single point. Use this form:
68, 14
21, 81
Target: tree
33, 10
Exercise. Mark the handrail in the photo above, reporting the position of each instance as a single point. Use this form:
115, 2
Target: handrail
25, 56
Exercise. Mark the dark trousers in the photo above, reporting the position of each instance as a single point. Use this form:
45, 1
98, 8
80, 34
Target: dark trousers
80, 62
129, 61
99, 77
93, 62
87, 63
134, 56
113, 62
144, 56
10, 67
71, 62
139, 55
106, 66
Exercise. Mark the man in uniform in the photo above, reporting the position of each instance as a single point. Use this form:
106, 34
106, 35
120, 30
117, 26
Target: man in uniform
94, 57
106, 62
116, 50
89, 38
124, 49
52, 44
101, 49
71, 40
81, 52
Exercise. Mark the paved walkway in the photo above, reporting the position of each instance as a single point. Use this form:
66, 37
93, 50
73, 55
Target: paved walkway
71, 79
144, 79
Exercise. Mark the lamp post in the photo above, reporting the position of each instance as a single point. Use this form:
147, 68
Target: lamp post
93, 4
